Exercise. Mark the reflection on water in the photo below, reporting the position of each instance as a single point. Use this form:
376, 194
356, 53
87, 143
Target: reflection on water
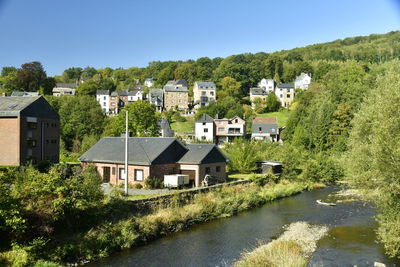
351, 239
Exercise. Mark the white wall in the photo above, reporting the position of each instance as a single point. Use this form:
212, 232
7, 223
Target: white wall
104, 101
201, 134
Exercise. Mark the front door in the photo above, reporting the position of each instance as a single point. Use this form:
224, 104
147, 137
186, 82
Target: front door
106, 174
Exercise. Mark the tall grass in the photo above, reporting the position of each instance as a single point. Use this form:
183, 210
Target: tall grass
109, 237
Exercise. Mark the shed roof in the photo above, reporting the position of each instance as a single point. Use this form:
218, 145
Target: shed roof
202, 154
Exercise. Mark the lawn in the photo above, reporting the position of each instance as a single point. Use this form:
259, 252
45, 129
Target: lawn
184, 127
281, 115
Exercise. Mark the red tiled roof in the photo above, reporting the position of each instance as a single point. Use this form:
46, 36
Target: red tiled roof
265, 120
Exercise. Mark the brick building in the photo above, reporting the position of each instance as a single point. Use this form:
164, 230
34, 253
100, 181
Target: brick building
176, 94
29, 131
154, 157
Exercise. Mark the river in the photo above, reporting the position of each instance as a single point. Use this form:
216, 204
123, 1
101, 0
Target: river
351, 239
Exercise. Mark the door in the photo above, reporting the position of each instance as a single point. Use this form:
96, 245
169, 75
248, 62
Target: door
106, 174
191, 173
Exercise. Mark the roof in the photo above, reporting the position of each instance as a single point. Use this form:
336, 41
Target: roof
174, 88
103, 92
202, 154
265, 120
35, 106
258, 91
149, 79
155, 91
205, 118
286, 85
208, 84
142, 150
66, 85
18, 93
180, 83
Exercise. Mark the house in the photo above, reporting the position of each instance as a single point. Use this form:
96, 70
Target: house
285, 93
115, 103
156, 97
18, 93
165, 128
126, 96
29, 131
205, 128
176, 95
228, 129
204, 93
103, 97
64, 89
265, 128
267, 84
257, 93
154, 157
149, 82
302, 81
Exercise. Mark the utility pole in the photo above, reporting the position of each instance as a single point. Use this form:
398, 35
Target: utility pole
126, 153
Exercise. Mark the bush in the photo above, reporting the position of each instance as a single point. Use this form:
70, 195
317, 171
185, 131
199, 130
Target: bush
259, 179
138, 186
153, 183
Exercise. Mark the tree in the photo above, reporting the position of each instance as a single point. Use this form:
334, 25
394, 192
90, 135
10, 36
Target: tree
72, 74
143, 120
47, 86
88, 88
273, 64
5, 71
30, 76
230, 87
88, 73
272, 103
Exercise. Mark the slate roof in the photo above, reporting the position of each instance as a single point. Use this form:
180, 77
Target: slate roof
103, 92
286, 85
206, 85
35, 106
66, 85
202, 154
18, 93
205, 118
151, 151
174, 88
142, 150
258, 91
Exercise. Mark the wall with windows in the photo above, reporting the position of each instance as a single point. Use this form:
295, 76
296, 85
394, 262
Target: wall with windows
204, 131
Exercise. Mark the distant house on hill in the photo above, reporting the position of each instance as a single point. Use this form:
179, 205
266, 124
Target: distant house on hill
29, 131
302, 81
204, 93
149, 82
205, 128
103, 97
165, 128
229, 129
265, 128
156, 97
285, 93
154, 157
176, 94
64, 89
267, 84
257, 93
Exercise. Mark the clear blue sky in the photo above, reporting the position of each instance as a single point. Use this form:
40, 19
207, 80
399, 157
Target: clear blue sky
126, 33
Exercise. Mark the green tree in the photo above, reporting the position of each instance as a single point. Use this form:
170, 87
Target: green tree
272, 103
142, 117
230, 87
30, 76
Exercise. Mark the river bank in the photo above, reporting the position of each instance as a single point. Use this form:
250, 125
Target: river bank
107, 238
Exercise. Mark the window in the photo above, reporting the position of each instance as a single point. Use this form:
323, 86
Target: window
104, 98
207, 170
218, 169
259, 130
203, 92
113, 170
122, 174
32, 125
221, 129
138, 175
280, 96
204, 123
236, 120
212, 93
206, 130
288, 95
47, 141
31, 143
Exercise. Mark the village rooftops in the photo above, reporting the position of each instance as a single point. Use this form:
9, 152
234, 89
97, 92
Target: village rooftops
205, 118
174, 88
15, 106
258, 91
103, 92
206, 85
265, 120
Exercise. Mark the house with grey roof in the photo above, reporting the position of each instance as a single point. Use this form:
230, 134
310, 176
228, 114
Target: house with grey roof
302, 81
265, 128
29, 131
165, 128
156, 97
153, 157
205, 128
149, 82
129, 96
64, 89
176, 95
285, 93
204, 93
103, 97
257, 93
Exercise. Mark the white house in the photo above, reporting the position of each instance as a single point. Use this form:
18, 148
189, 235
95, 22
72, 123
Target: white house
103, 97
149, 82
204, 128
285, 93
302, 81
135, 96
267, 84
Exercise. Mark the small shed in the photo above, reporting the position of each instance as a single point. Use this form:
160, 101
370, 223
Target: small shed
267, 166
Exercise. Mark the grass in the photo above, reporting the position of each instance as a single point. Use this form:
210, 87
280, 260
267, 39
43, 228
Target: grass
183, 127
241, 176
281, 115
121, 231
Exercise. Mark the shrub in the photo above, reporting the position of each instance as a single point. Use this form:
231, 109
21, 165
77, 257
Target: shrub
138, 186
259, 179
153, 183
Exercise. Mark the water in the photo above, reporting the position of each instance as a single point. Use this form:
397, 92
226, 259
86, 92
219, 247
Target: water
351, 239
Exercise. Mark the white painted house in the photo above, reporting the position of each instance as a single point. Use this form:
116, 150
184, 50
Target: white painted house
205, 129
302, 81
103, 97
149, 82
285, 93
267, 84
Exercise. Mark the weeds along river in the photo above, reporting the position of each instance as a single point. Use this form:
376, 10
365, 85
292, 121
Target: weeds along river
351, 239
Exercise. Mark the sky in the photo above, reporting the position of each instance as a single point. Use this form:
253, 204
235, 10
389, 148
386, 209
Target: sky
131, 33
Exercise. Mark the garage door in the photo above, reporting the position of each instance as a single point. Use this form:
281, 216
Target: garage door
191, 173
